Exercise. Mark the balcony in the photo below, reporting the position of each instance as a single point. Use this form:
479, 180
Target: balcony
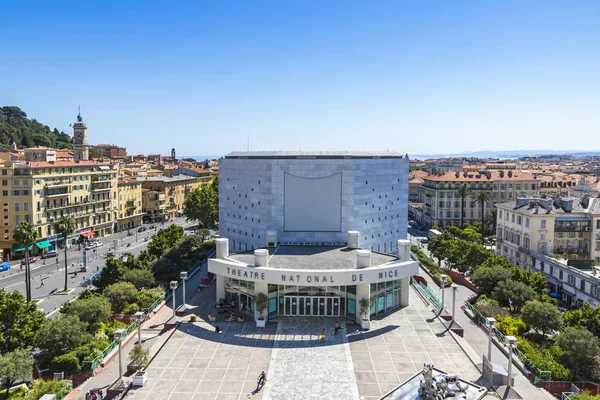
64, 191
522, 249
578, 226
499, 239
100, 186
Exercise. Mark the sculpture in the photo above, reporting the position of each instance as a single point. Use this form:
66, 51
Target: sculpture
440, 387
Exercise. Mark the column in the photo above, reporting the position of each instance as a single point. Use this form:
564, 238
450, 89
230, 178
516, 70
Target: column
362, 292
220, 287
404, 291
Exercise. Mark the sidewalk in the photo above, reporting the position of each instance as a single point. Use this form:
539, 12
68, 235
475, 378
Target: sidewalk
152, 335
478, 340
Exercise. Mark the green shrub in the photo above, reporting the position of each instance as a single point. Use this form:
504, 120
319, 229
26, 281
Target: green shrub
40, 387
544, 360
146, 297
510, 326
17, 393
130, 309
492, 309
69, 363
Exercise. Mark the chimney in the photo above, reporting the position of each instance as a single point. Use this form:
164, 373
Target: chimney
363, 258
404, 250
272, 238
353, 239
222, 248
457, 174
261, 258
501, 174
509, 173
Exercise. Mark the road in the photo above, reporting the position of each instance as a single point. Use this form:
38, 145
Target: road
47, 276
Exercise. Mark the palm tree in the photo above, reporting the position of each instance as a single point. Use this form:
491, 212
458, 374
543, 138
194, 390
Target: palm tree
463, 192
26, 235
491, 220
65, 227
482, 198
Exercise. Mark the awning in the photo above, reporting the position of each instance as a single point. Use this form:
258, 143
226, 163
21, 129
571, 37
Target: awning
554, 295
43, 244
88, 233
18, 247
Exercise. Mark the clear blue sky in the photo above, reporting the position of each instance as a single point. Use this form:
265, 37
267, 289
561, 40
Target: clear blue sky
416, 77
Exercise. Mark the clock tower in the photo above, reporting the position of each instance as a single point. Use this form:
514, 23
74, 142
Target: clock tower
80, 142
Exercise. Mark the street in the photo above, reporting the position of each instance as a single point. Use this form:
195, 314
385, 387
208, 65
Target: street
48, 276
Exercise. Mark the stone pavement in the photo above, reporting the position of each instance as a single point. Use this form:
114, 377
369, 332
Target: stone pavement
303, 367
198, 363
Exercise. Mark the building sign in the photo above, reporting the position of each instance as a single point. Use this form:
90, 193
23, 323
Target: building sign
85, 258
386, 272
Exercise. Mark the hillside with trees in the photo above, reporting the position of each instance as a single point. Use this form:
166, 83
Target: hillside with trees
26, 132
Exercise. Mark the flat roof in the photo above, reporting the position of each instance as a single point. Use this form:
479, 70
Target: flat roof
313, 154
166, 178
312, 257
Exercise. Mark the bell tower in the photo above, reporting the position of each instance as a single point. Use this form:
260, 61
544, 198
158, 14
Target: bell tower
80, 142
173, 154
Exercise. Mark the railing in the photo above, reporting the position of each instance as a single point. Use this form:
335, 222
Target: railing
66, 389
501, 337
426, 292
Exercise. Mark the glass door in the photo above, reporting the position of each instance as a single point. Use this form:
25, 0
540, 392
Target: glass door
307, 305
321, 305
301, 308
329, 310
288, 306
294, 306
336, 306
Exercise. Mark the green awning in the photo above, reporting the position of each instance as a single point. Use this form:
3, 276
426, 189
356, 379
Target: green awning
43, 244
18, 247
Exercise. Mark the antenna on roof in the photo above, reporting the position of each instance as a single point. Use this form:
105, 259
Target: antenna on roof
248, 142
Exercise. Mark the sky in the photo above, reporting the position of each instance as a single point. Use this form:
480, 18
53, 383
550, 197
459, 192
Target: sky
207, 78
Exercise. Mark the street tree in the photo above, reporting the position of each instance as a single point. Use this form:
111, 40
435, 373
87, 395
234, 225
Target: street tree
462, 192
438, 246
543, 318
61, 335
140, 278
26, 235
15, 366
202, 206
65, 226
488, 278
204, 234
491, 219
513, 294
584, 317
19, 322
120, 295
580, 348
533, 279
483, 198
93, 309
111, 273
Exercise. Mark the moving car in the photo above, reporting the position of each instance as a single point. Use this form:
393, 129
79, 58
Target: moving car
5, 266
141, 229
99, 244
90, 246
31, 260
50, 254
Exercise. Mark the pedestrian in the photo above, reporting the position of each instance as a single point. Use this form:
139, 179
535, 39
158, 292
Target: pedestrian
56, 260
262, 378
42, 285
336, 328
88, 396
323, 335
94, 396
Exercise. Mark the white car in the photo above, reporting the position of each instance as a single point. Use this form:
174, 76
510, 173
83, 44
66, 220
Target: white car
99, 244
90, 246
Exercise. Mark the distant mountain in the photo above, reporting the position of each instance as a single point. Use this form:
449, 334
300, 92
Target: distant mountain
510, 154
14, 125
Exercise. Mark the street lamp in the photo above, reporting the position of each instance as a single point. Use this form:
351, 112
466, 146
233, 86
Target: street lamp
443, 280
490, 325
454, 290
119, 336
512, 343
139, 318
183, 275
173, 286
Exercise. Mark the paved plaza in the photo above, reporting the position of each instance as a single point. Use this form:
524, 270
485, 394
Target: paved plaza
197, 363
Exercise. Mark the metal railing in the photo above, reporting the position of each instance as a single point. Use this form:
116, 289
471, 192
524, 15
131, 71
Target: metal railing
426, 292
501, 338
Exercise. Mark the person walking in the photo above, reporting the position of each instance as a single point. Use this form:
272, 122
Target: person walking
42, 282
262, 378
323, 335
336, 328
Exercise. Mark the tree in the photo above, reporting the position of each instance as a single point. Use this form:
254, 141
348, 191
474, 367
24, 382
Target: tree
120, 295
111, 273
580, 349
462, 192
140, 278
201, 205
483, 198
19, 322
204, 234
40, 387
584, 317
139, 357
189, 244
543, 318
91, 310
534, 280
15, 366
513, 294
494, 260
470, 235
94, 153
26, 235
491, 219
65, 226
488, 278
61, 335
438, 246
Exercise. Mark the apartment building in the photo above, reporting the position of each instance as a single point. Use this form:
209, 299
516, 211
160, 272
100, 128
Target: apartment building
442, 205
111, 151
43, 191
559, 236
162, 196
130, 203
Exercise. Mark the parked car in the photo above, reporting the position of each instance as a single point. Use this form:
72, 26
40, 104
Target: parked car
86, 282
424, 240
110, 254
50, 254
5, 266
141, 229
31, 260
90, 246
99, 244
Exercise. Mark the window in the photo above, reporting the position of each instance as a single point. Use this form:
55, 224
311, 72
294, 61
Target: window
17, 220
17, 208
582, 285
25, 206
513, 218
500, 214
560, 275
526, 222
571, 279
16, 182
519, 220
543, 224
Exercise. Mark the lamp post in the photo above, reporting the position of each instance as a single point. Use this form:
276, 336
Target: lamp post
173, 286
490, 325
139, 318
512, 342
454, 290
443, 280
183, 275
119, 333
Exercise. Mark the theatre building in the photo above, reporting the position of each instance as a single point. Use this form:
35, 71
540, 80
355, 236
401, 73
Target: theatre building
314, 231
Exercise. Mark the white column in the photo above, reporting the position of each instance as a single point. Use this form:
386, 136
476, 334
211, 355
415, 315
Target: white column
404, 250
404, 291
220, 287
362, 292
261, 287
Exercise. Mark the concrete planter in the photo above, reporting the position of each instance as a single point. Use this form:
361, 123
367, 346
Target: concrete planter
366, 324
139, 378
261, 323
